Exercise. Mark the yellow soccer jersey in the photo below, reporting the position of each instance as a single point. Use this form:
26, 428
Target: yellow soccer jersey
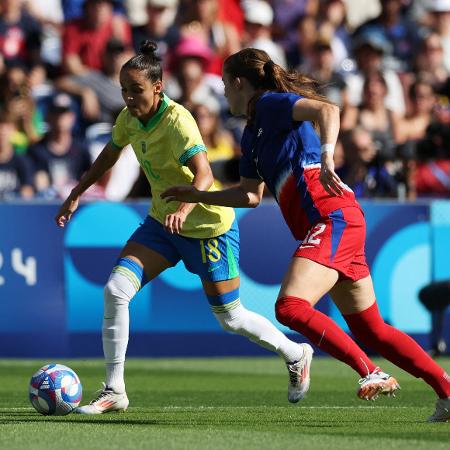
163, 147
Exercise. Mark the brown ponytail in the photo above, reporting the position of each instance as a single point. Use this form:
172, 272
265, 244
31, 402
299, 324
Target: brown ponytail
264, 75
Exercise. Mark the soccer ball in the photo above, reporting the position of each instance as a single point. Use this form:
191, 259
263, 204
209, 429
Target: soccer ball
55, 390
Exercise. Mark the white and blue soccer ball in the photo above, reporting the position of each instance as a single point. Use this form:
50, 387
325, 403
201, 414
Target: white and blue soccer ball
55, 390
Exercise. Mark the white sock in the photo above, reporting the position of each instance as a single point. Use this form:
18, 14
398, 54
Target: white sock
115, 331
114, 376
259, 330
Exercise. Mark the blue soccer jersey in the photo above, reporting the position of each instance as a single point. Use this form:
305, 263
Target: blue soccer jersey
286, 155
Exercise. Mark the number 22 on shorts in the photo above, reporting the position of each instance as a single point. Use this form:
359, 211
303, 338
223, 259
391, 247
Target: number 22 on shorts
212, 245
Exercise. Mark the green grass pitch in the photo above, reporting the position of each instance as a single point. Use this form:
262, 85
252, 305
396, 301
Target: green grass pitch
223, 403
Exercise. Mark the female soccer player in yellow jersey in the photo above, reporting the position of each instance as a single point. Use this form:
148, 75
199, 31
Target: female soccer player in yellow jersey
168, 145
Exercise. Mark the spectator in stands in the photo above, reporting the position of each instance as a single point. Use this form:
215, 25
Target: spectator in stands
287, 14
373, 115
334, 28
300, 52
50, 16
200, 18
85, 39
218, 141
58, 159
160, 27
440, 10
16, 100
189, 82
370, 47
99, 91
136, 11
15, 171
20, 33
409, 130
399, 31
365, 173
258, 34
429, 62
321, 67
430, 174
73, 9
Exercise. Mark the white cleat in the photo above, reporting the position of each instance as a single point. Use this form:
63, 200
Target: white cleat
442, 413
106, 401
377, 383
299, 375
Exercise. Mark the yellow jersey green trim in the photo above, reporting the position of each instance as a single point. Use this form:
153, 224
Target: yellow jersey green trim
188, 154
115, 146
157, 117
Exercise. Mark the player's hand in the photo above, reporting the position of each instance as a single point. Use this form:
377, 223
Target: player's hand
185, 194
66, 210
328, 177
174, 222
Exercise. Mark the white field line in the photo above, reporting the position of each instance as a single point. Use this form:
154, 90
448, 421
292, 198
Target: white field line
194, 408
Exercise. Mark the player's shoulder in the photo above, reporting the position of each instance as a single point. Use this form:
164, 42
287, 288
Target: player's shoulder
273, 97
124, 116
278, 102
178, 111
179, 117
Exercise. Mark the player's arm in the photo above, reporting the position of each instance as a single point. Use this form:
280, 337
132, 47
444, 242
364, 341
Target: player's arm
247, 194
327, 117
107, 158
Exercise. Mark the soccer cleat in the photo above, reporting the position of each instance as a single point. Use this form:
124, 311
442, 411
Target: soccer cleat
442, 413
299, 375
377, 383
106, 401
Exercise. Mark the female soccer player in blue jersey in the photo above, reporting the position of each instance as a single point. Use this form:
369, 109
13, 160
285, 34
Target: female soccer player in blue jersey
281, 148
168, 145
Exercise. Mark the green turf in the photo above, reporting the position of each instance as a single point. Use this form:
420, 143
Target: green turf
224, 403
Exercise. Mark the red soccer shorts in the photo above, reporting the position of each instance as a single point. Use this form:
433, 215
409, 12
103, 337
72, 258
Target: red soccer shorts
337, 241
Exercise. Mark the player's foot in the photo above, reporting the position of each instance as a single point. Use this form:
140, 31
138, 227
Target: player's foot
442, 413
106, 401
299, 375
377, 383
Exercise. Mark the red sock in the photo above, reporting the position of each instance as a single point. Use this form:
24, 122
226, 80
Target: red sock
369, 327
323, 332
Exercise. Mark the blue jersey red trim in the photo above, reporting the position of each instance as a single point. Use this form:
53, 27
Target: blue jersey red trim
285, 154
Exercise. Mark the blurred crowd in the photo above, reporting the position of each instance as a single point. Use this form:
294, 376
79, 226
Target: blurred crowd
386, 63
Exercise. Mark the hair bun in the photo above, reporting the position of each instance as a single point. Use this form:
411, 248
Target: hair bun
148, 47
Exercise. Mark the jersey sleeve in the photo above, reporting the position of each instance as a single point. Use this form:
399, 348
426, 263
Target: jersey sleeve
187, 140
277, 109
119, 137
247, 166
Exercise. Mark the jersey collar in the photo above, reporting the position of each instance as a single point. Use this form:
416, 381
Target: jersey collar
157, 117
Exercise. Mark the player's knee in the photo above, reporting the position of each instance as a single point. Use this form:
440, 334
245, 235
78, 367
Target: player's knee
228, 310
289, 309
114, 294
232, 320
231, 323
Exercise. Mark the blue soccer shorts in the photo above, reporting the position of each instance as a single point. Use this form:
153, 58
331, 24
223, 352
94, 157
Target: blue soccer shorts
212, 259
